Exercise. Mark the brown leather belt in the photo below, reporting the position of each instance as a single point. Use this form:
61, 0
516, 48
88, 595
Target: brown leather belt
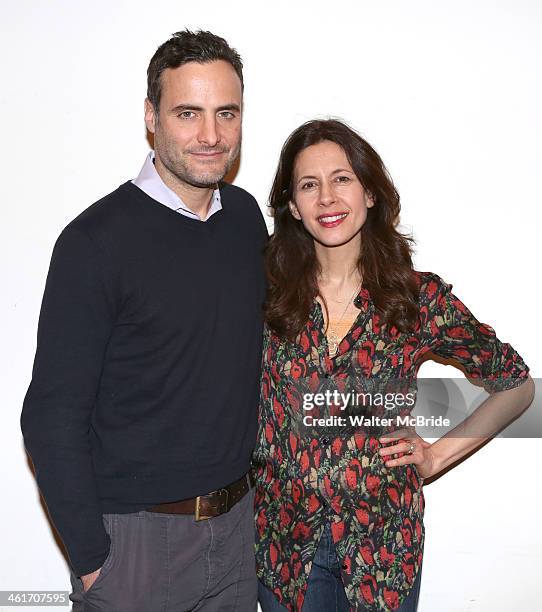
210, 505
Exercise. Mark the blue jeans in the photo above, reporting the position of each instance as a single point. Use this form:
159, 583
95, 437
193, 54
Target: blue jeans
325, 591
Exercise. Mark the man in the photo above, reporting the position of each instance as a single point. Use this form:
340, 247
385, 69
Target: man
142, 411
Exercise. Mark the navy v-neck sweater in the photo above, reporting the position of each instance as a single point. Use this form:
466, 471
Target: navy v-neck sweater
145, 383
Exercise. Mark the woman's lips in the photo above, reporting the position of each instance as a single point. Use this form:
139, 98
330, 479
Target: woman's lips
332, 220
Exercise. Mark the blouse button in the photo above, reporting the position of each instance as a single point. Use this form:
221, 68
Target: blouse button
325, 440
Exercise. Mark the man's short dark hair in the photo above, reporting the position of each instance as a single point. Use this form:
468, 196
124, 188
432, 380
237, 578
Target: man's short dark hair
183, 47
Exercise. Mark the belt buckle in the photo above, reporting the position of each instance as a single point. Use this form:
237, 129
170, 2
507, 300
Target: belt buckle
201, 517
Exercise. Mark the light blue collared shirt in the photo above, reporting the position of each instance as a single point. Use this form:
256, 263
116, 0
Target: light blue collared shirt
149, 181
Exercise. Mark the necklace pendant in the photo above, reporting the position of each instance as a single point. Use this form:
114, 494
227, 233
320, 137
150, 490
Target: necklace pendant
333, 344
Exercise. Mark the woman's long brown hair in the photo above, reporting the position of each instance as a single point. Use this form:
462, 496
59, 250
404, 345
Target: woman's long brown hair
385, 259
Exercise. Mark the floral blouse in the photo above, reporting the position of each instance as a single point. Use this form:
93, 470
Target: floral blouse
307, 475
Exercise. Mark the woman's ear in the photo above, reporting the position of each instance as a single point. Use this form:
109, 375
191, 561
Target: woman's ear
294, 211
370, 202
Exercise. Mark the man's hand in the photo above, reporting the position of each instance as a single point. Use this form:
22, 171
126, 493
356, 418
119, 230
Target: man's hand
89, 579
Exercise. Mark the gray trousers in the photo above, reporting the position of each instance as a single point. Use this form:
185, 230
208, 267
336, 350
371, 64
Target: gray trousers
171, 563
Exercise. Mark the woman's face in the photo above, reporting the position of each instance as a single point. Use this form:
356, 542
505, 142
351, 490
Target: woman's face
328, 198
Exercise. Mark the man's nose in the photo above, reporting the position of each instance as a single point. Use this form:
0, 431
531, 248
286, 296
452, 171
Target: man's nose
208, 133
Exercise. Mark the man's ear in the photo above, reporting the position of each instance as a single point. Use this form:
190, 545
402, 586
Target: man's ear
150, 116
294, 211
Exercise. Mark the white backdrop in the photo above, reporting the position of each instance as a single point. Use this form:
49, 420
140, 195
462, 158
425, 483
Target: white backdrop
449, 94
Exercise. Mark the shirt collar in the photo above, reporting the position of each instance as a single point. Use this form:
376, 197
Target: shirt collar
149, 181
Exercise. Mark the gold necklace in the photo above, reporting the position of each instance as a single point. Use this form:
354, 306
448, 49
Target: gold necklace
333, 339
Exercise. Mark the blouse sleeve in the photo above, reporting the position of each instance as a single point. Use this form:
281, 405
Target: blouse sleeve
456, 334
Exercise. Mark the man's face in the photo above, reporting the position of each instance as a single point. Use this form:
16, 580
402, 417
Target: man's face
197, 134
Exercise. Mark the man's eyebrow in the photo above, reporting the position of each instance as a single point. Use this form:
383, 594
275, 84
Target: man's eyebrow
194, 107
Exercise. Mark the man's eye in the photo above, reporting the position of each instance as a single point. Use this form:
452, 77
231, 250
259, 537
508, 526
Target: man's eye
186, 115
227, 115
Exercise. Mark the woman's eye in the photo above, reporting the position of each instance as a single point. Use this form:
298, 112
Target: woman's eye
308, 185
343, 179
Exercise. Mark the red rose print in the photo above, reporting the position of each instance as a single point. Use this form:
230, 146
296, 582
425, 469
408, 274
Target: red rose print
386, 557
367, 554
407, 535
314, 504
285, 573
279, 411
337, 530
359, 439
273, 554
368, 587
362, 513
304, 461
314, 382
317, 455
336, 446
336, 504
269, 432
391, 598
393, 495
365, 357
374, 444
296, 371
261, 521
423, 312
408, 569
284, 518
300, 532
275, 488
293, 443
373, 484
458, 332
351, 477
431, 289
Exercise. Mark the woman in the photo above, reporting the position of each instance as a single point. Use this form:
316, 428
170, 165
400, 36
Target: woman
339, 509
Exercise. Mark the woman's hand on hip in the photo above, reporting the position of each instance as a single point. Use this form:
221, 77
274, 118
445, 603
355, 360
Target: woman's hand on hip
412, 449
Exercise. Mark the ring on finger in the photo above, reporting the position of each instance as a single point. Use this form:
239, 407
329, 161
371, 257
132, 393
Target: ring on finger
411, 448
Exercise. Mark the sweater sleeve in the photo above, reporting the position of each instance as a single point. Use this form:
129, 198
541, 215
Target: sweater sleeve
458, 335
75, 324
